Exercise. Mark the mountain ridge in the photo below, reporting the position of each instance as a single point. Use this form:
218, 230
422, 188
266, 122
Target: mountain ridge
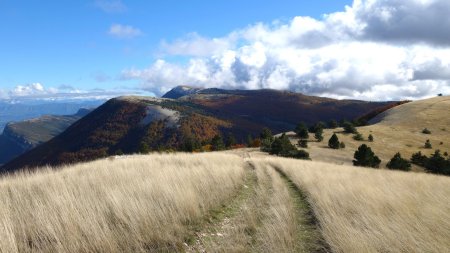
119, 125
19, 137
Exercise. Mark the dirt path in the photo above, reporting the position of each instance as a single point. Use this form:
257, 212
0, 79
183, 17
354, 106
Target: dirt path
308, 230
269, 214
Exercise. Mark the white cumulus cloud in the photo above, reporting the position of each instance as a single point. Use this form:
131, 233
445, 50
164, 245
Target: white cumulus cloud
374, 50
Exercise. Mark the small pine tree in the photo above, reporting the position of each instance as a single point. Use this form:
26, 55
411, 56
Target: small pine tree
342, 145
428, 144
281, 146
303, 143
317, 127
419, 159
358, 137
437, 164
266, 139
190, 144
333, 124
266, 134
302, 131
398, 163
349, 128
217, 143
318, 134
365, 157
333, 142
370, 137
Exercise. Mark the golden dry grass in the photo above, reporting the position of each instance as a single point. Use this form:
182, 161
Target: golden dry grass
161, 203
137, 204
396, 130
367, 210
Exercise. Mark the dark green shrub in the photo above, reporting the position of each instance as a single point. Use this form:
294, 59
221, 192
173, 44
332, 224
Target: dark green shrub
281, 146
318, 134
358, 137
418, 159
266, 134
426, 131
298, 154
190, 144
437, 164
144, 148
302, 131
370, 138
333, 142
398, 163
365, 157
333, 124
303, 143
318, 126
428, 144
349, 128
217, 143
266, 145
342, 145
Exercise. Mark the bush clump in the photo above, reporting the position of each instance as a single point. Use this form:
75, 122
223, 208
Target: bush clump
426, 131
398, 163
349, 128
302, 131
436, 163
365, 157
358, 137
282, 146
303, 143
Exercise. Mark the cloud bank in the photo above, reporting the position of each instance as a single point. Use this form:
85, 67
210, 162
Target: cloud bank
38, 92
374, 50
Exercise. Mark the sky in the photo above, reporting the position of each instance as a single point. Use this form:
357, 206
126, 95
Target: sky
361, 49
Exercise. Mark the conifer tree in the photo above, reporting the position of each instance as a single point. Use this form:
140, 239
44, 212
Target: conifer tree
365, 157
333, 142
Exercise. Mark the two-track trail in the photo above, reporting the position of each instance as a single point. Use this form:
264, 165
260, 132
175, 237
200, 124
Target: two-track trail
269, 214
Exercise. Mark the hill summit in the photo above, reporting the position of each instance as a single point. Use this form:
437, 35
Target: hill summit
181, 91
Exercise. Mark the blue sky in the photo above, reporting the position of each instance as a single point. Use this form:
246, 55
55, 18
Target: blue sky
374, 50
67, 42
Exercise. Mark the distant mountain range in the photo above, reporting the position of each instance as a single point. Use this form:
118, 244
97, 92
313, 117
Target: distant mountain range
17, 111
19, 137
126, 124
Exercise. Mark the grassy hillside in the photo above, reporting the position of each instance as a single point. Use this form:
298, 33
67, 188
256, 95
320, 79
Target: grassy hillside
199, 203
366, 210
396, 130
